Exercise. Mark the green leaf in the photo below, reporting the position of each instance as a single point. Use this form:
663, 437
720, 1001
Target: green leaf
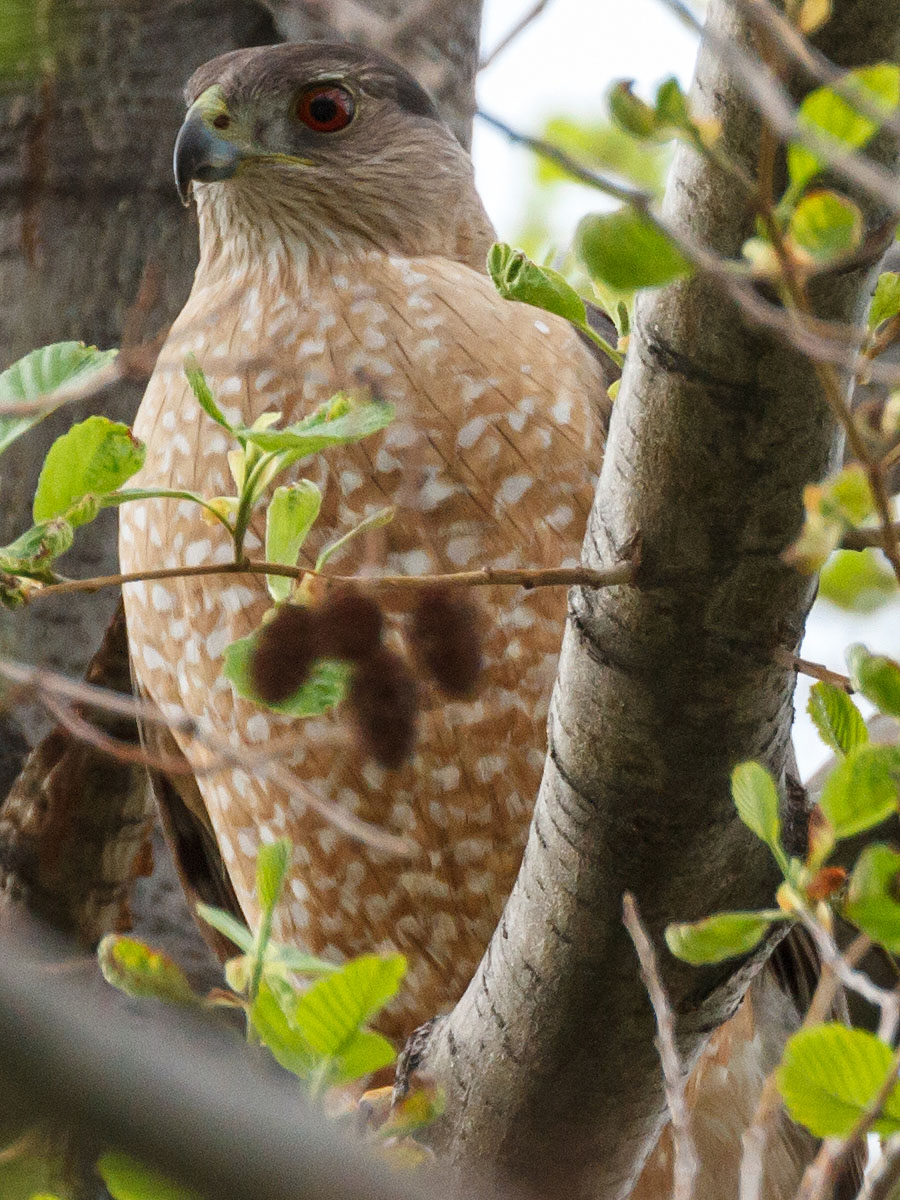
516, 277
334, 1009
873, 897
630, 113
285, 1041
375, 520
862, 789
837, 718
365, 1053
825, 226
831, 1075
289, 518
203, 392
343, 419
672, 106
227, 925
34, 379
724, 935
886, 301
325, 686
602, 144
33, 553
94, 458
847, 496
857, 580
876, 677
129, 1180
133, 968
756, 800
625, 251
273, 862
825, 112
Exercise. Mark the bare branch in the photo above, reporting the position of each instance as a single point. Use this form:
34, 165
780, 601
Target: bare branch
673, 1071
209, 752
508, 38
618, 575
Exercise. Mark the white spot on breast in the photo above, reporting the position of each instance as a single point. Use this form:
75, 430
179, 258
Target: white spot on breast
461, 550
513, 488
197, 552
230, 386
168, 421
216, 643
385, 462
560, 516
470, 433
257, 727
153, 660
311, 347
413, 562
350, 480
447, 778
161, 598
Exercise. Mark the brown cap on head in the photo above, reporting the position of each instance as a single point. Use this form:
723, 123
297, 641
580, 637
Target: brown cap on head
243, 74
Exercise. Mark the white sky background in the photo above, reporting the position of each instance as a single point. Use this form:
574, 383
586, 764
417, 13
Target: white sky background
563, 63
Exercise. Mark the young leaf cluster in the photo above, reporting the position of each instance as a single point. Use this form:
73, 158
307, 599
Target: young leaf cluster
831, 1075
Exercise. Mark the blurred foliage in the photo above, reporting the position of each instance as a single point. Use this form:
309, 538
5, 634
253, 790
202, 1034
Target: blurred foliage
600, 145
29, 36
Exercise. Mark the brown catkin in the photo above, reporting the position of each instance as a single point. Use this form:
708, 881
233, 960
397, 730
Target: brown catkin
286, 648
384, 701
446, 641
351, 624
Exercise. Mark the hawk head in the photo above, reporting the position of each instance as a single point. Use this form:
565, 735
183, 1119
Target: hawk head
331, 144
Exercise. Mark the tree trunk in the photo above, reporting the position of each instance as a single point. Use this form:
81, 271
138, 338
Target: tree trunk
662, 689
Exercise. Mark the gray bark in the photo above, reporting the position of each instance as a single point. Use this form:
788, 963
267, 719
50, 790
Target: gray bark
661, 691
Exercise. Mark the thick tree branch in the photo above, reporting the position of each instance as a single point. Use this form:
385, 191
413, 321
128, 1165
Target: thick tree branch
661, 690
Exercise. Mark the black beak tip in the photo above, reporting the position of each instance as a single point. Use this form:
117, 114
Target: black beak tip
200, 154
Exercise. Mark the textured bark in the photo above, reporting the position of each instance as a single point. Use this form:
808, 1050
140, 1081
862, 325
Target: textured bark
661, 690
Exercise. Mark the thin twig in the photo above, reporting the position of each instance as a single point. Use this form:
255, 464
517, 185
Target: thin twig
756, 1137
803, 666
816, 65
820, 340
863, 539
217, 753
882, 1181
674, 1075
773, 102
618, 575
508, 38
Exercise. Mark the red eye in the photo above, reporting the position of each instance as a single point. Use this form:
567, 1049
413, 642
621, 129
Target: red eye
325, 108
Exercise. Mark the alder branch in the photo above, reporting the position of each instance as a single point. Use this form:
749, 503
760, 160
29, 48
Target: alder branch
618, 575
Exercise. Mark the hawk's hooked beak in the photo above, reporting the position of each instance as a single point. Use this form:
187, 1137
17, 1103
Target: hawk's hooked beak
200, 153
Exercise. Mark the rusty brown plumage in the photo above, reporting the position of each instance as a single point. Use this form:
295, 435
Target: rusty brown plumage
328, 259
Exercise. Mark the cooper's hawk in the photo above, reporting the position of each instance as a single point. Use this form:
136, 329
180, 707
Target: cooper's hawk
342, 241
